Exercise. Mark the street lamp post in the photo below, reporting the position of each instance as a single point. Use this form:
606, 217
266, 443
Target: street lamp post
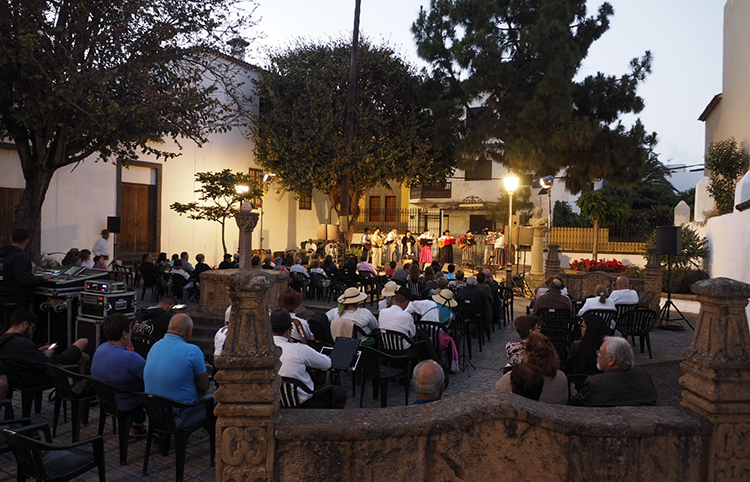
511, 184
546, 182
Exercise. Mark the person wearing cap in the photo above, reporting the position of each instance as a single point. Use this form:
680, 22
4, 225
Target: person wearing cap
349, 308
296, 358
101, 246
291, 301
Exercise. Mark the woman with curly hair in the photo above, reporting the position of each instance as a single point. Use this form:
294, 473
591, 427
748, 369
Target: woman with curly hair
541, 353
515, 351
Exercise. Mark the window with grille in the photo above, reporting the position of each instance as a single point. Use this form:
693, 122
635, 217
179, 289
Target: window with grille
255, 174
305, 201
479, 171
390, 208
374, 211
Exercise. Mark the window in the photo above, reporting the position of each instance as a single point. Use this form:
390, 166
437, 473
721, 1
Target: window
478, 222
390, 209
305, 202
255, 174
479, 171
374, 214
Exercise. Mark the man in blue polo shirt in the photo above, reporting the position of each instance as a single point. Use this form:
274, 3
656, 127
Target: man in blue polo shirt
175, 369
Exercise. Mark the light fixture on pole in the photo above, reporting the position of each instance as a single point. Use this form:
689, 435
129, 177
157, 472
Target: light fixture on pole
511, 184
546, 182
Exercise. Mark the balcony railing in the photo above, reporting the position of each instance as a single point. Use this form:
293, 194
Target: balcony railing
430, 191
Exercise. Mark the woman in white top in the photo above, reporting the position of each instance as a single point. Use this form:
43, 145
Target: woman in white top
598, 302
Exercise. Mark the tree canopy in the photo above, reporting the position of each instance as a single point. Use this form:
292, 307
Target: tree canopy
518, 61
299, 133
108, 79
726, 163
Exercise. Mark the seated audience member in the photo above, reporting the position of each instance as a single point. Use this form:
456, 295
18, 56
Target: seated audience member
598, 302
148, 268
86, 260
543, 290
267, 263
71, 252
442, 284
349, 308
227, 263
451, 274
255, 261
397, 319
221, 334
438, 309
291, 301
330, 267
527, 380
113, 363
428, 382
622, 294
76, 261
541, 353
175, 257
320, 328
296, 358
363, 266
178, 269
429, 279
457, 284
236, 261
483, 286
155, 319
298, 268
16, 345
515, 351
100, 262
315, 268
185, 258
391, 268
621, 384
388, 292
200, 267
553, 299
582, 354
279, 264
471, 293
310, 247
175, 369
400, 276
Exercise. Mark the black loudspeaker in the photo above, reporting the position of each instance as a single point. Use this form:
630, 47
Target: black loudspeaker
669, 240
113, 224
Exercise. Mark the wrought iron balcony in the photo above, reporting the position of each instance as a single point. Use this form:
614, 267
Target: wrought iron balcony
430, 191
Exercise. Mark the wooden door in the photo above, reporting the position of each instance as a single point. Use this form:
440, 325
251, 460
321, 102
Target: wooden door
139, 209
9, 200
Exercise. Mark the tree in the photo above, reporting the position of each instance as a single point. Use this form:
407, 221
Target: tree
518, 60
600, 208
563, 216
726, 163
694, 247
111, 79
522, 205
299, 133
220, 198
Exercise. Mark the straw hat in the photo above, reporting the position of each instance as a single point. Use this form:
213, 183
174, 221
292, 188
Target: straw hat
445, 298
351, 296
290, 300
390, 289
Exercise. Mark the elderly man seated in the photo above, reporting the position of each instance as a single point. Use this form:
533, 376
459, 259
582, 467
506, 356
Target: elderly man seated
622, 294
428, 382
620, 384
396, 318
553, 299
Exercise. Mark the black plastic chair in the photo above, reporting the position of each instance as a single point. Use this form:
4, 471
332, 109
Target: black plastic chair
149, 281
434, 329
562, 337
142, 343
370, 286
166, 283
107, 395
7, 404
11, 425
381, 368
474, 320
64, 392
290, 396
299, 282
637, 323
624, 308
609, 317
43, 460
550, 313
317, 286
161, 413
31, 390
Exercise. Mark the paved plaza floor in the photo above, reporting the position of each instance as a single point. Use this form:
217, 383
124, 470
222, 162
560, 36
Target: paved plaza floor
668, 350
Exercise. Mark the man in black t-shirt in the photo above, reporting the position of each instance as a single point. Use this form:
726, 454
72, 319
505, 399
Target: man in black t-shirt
227, 263
155, 320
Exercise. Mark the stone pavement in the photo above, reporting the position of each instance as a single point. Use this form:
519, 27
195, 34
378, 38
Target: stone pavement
668, 348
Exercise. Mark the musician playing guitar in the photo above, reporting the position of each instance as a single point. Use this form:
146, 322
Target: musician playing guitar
377, 248
467, 243
366, 245
445, 243
392, 242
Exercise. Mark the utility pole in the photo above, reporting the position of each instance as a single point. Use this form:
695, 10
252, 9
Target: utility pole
349, 124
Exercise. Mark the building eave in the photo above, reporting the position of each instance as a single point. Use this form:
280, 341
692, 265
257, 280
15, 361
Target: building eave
710, 107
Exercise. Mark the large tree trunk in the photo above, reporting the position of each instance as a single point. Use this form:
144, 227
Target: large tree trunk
354, 196
595, 255
29, 212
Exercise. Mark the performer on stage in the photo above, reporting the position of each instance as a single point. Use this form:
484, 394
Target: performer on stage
489, 247
377, 248
366, 244
467, 243
391, 243
500, 249
445, 243
409, 247
425, 248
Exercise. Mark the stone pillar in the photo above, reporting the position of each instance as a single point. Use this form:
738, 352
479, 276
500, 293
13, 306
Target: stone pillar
716, 383
248, 382
537, 251
552, 265
652, 279
246, 221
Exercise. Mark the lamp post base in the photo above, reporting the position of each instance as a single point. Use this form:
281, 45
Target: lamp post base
509, 276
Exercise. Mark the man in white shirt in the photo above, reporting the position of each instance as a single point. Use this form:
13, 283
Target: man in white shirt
397, 319
296, 358
310, 247
500, 248
622, 294
366, 244
363, 265
101, 246
298, 268
186, 265
391, 241
350, 301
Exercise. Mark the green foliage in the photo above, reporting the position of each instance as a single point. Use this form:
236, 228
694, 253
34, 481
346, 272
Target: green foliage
522, 205
694, 247
300, 129
48, 262
108, 79
653, 190
563, 216
633, 271
597, 206
520, 60
726, 163
219, 199
682, 279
